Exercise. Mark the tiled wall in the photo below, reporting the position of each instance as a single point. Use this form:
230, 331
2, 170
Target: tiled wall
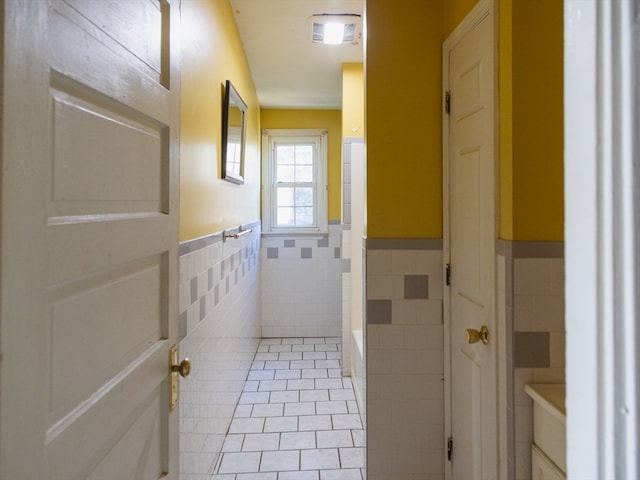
532, 307
220, 327
404, 352
301, 285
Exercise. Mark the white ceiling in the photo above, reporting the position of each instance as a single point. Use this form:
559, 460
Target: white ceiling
288, 70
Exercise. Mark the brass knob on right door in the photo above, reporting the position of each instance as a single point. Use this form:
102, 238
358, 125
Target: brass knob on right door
475, 336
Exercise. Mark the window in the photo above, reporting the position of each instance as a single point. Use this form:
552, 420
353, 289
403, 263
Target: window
295, 164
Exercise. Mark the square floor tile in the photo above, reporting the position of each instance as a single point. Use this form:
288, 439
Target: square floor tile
257, 442
243, 411
314, 422
254, 397
352, 406
294, 409
352, 457
267, 410
327, 364
257, 476
319, 459
233, 443
240, 462
297, 440
261, 374
279, 348
350, 474
328, 383
334, 373
342, 394
314, 355
303, 364
331, 407
306, 475
251, 386
349, 421
270, 385
334, 438
271, 341
302, 384
292, 341
266, 356
287, 374
314, 373
246, 425
302, 348
313, 341
314, 395
290, 356
281, 424
283, 396
358, 438
277, 364
285, 460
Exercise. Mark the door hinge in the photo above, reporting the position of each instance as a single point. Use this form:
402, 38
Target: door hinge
448, 274
449, 448
447, 102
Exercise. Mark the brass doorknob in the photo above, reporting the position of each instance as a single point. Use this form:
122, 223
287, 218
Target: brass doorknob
184, 368
475, 336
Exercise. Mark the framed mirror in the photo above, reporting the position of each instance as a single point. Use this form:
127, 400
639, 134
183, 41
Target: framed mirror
234, 126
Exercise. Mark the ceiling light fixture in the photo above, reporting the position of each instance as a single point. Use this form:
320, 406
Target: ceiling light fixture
330, 29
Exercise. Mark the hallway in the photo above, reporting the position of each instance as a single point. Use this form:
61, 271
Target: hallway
297, 417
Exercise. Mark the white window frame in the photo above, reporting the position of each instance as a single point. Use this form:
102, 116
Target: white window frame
270, 138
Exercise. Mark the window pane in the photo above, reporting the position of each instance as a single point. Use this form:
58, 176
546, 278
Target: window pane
304, 173
304, 216
285, 216
285, 173
285, 197
304, 197
304, 155
285, 154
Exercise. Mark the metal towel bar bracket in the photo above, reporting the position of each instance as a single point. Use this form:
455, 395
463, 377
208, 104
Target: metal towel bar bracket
239, 233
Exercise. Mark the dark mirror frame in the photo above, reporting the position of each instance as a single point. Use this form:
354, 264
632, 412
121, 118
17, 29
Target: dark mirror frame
232, 171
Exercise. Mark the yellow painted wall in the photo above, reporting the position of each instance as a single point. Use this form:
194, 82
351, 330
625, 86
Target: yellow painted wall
212, 52
403, 74
353, 100
537, 109
329, 119
454, 12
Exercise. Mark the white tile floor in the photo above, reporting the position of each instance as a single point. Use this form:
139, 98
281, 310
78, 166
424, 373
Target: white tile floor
297, 418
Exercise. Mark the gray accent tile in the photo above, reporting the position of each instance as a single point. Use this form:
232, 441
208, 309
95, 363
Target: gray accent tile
336, 252
531, 350
272, 252
289, 243
210, 278
404, 244
194, 289
346, 265
378, 312
416, 287
323, 242
202, 242
183, 325
333, 222
306, 252
216, 294
538, 249
203, 307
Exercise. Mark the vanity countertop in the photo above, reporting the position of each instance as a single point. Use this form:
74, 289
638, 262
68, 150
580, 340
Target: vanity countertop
550, 396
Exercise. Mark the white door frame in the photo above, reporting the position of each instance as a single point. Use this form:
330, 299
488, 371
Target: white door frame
601, 225
479, 12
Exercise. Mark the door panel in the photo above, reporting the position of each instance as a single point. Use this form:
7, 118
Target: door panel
89, 239
471, 240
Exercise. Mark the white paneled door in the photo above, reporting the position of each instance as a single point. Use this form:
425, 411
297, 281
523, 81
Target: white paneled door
89, 239
470, 239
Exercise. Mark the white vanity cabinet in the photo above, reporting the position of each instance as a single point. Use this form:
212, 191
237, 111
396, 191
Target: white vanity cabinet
548, 452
